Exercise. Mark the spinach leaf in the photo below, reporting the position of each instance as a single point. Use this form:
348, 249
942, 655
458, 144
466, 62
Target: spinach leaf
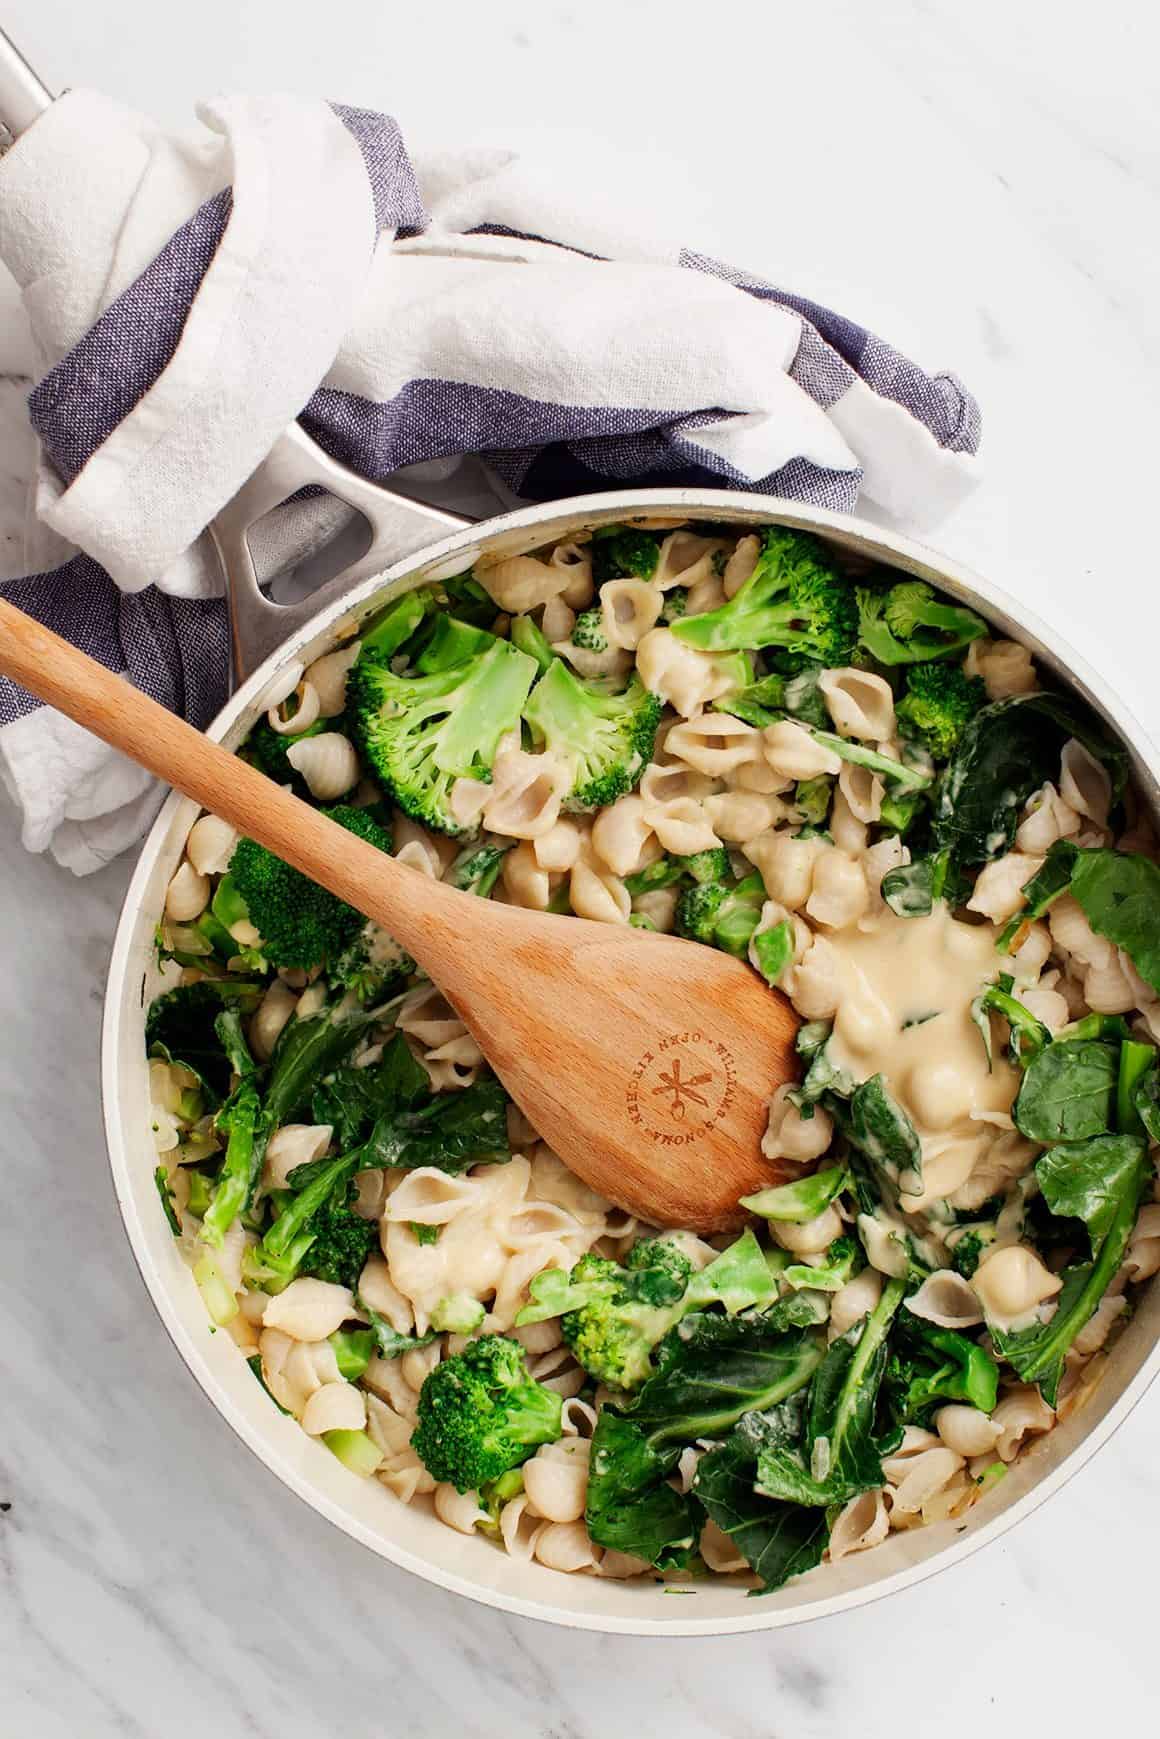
352, 1099
881, 1129
822, 1076
1041, 891
777, 1540
929, 1367
1120, 895
711, 1369
838, 1455
802, 1200
452, 1131
629, 1508
1068, 1091
1100, 1182
1007, 751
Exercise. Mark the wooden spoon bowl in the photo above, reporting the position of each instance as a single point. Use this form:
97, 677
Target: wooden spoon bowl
646, 1062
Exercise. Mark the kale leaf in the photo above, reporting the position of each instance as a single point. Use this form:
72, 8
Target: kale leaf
1068, 1091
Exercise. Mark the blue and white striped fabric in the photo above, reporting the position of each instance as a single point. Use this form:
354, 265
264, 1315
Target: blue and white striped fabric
190, 295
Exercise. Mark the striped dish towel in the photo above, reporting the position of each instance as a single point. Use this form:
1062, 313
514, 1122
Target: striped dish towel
190, 294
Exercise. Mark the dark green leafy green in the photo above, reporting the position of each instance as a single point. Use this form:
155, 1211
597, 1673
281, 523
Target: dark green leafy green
1027, 1036
1044, 888
629, 1507
306, 1053
930, 1367
1007, 751
181, 1025
1120, 895
352, 1099
838, 1453
1099, 1181
712, 1368
881, 1129
1068, 1091
452, 1131
777, 1540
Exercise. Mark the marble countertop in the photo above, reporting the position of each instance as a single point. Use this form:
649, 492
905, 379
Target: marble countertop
982, 187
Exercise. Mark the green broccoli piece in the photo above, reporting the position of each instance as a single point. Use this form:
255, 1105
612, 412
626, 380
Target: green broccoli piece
626, 1311
910, 623
451, 643
300, 923
676, 605
811, 799
372, 965
480, 1414
614, 1317
723, 914
794, 600
418, 734
606, 737
711, 865
588, 631
619, 552
316, 1232
343, 1241
940, 701
530, 638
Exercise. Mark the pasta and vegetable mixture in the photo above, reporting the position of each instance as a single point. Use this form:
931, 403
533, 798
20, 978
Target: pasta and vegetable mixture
833, 772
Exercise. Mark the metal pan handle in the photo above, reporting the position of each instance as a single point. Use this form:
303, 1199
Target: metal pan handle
22, 96
398, 527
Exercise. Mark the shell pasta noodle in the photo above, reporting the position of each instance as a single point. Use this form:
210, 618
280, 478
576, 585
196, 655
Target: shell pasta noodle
845, 780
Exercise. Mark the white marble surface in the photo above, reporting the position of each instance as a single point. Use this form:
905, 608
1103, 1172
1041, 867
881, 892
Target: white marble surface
982, 186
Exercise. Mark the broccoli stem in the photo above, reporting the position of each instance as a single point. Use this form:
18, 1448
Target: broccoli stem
248, 1133
396, 625
531, 639
452, 643
1135, 1061
307, 1202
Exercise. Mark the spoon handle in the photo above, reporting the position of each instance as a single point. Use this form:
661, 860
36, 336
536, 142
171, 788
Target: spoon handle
399, 898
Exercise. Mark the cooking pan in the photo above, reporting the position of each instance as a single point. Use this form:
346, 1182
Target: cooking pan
404, 545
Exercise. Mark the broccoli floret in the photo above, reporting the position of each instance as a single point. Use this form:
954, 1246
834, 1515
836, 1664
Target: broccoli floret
676, 604
607, 738
613, 1317
372, 965
300, 923
711, 865
480, 1414
618, 551
342, 1242
627, 1310
418, 734
722, 914
794, 600
911, 623
940, 701
588, 631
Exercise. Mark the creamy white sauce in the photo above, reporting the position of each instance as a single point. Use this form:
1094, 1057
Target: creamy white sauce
904, 1013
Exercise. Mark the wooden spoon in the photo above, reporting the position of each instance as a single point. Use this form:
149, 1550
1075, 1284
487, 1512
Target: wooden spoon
644, 1061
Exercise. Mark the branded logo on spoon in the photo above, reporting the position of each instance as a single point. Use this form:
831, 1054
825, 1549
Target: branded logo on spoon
681, 1087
